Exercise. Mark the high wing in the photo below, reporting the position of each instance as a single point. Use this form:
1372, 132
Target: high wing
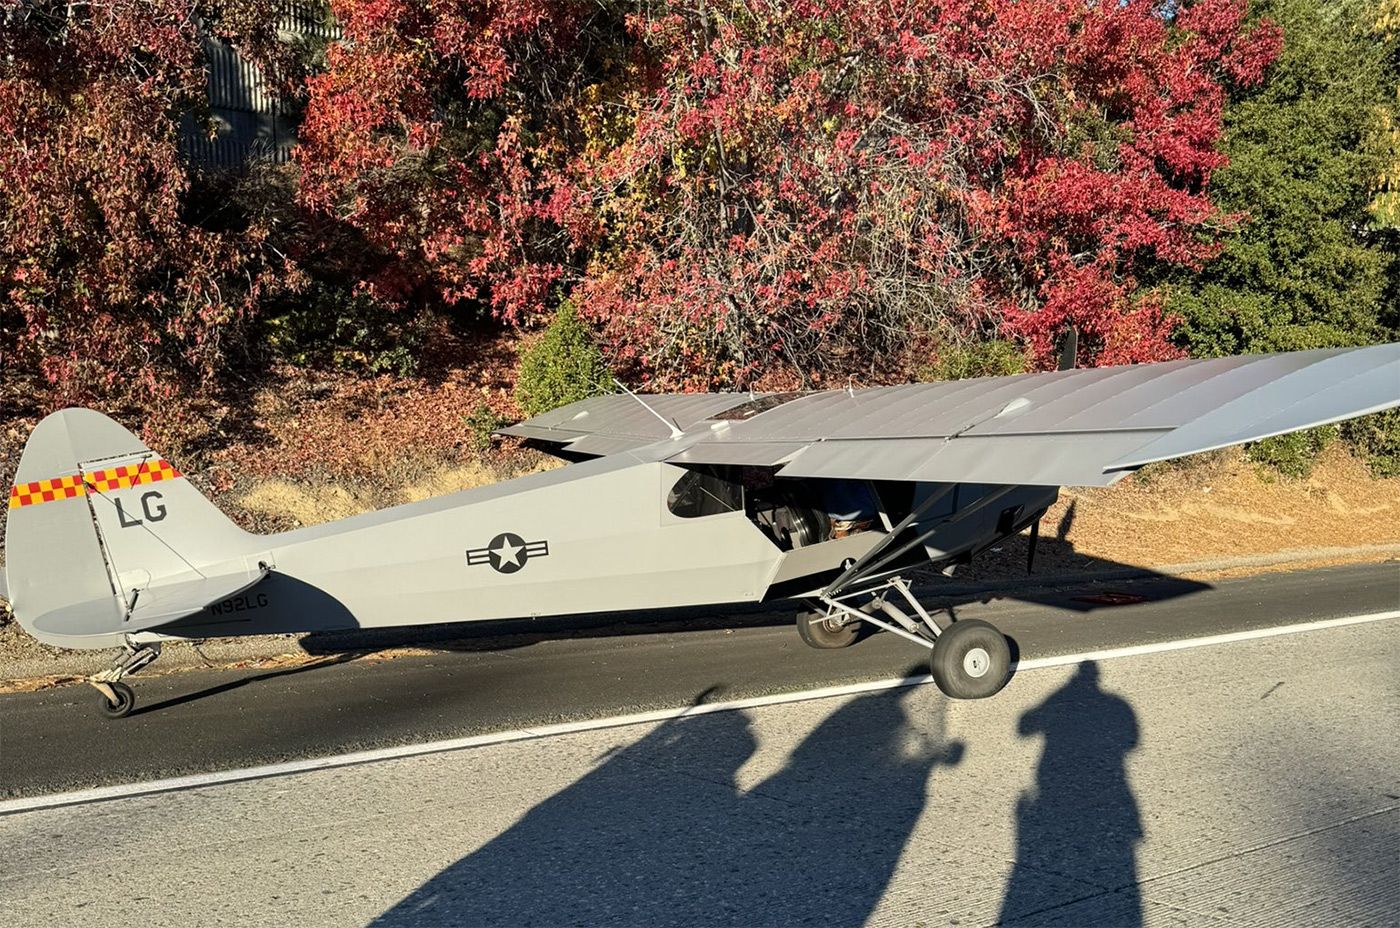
1067, 428
605, 425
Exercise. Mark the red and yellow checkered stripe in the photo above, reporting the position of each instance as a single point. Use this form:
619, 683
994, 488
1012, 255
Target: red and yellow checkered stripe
101, 481
46, 491
131, 475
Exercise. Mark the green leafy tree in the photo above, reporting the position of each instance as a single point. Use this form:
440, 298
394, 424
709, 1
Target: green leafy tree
1308, 269
1385, 208
563, 366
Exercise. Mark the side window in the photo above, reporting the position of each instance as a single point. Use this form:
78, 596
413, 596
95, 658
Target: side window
699, 494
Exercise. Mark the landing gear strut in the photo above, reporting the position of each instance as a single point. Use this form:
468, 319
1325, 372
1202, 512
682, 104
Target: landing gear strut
969, 658
117, 698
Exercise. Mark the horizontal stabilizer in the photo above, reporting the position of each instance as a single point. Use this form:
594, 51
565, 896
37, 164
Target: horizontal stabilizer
165, 604
103, 620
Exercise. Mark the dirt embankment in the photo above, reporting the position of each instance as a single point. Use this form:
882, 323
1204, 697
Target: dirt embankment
1222, 505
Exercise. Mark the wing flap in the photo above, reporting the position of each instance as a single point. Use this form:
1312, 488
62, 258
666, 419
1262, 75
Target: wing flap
1039, 460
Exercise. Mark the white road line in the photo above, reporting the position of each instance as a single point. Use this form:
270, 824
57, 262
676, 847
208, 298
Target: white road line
127, 790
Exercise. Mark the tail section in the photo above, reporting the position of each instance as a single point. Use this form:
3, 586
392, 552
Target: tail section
97, 521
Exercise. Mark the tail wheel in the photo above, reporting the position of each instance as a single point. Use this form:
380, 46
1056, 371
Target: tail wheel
125, 702
824, 632
971, 660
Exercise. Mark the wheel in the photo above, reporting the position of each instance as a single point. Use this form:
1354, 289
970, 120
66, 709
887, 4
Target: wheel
126, 701
971, 660
818, 630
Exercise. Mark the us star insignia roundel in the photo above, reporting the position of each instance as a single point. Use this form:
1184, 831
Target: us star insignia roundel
507, 553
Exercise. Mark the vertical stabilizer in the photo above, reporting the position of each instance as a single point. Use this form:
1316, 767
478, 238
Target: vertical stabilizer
95, 518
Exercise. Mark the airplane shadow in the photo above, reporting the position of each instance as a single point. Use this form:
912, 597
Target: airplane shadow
661, 833
345, 644
1081, 819
244, 681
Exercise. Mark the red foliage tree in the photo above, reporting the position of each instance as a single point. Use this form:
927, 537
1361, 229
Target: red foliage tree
818, 181
733, 185
107, 287
429, 132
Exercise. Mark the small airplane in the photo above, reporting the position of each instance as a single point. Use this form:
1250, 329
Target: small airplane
828, 498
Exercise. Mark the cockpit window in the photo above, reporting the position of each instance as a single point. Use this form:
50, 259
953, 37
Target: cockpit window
699, 494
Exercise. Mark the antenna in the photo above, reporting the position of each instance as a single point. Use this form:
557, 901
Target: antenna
676, 431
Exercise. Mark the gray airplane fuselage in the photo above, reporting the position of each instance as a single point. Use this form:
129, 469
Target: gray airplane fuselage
595, 536
109, 543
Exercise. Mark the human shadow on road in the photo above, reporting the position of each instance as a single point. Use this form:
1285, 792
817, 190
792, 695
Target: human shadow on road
1081, 820
661, 833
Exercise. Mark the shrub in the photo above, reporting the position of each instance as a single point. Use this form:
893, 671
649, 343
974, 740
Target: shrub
333, 326
481, 422
115, 285
563, 366
980, 359
1377, 439
1293, 455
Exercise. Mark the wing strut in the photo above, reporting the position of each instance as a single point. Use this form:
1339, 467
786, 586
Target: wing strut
858, 566
876, 559
670, 424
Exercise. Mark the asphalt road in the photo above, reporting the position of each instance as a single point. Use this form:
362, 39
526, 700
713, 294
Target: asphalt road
1237, 784
202, 721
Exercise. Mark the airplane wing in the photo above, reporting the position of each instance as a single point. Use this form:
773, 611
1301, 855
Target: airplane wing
1065, 428
604, 425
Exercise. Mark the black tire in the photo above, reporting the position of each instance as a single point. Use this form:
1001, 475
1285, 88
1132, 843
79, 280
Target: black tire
971, 660
126, 701
818, 631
